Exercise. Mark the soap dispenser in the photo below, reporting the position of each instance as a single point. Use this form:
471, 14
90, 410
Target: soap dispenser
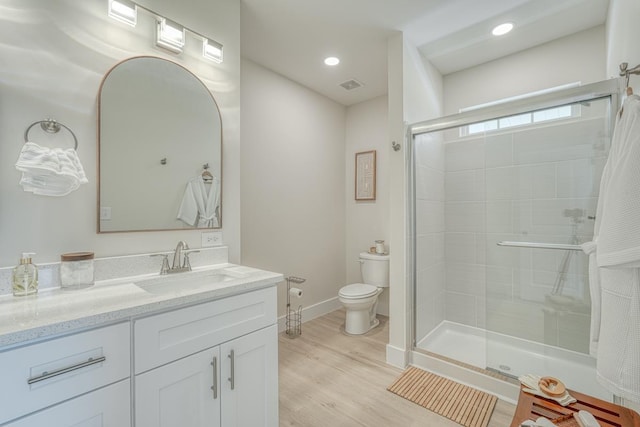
25, 276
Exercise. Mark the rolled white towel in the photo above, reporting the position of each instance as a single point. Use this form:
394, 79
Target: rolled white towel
50, 171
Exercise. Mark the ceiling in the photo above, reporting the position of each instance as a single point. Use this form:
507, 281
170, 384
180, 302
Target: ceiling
292, 37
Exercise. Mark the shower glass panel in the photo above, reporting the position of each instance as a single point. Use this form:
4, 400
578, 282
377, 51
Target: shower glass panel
541, 186
430, 288
481, 191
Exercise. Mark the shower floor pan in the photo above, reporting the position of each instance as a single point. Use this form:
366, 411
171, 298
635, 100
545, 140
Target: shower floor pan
513, 357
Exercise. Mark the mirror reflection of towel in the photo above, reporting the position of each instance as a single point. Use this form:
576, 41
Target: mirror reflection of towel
200, 202
50, 171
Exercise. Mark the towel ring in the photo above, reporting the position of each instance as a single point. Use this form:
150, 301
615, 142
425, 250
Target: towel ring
50, 126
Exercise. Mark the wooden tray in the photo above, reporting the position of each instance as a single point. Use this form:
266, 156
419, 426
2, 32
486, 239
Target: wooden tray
530, 407
566, 421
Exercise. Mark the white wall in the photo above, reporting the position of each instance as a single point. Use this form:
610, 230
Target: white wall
54, 56
293, 183
415, 90
576, 58
399, 309
423, 93
367, 221
423, 87
623, 33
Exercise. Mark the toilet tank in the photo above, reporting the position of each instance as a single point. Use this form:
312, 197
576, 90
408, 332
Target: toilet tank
374, 269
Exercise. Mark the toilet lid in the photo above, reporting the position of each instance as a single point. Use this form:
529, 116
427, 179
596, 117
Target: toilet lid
358, 290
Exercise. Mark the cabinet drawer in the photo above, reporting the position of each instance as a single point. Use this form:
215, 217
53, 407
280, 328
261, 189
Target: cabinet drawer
169, 336
107, 407
40, 375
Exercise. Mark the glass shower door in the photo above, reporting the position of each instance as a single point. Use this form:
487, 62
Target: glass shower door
541, 177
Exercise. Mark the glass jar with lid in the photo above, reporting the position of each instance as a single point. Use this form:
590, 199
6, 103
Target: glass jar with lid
76, 270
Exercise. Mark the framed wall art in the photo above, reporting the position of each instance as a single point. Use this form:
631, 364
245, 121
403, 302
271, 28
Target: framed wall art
366, 175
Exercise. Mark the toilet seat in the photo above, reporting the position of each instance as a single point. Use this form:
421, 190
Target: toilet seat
357, 291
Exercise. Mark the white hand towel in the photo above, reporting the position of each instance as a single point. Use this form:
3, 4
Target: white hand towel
50, 171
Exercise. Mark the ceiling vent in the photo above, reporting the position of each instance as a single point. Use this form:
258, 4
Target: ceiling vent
351, 84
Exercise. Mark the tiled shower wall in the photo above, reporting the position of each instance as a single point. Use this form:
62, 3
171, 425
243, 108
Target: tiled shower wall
430, 232
531, 184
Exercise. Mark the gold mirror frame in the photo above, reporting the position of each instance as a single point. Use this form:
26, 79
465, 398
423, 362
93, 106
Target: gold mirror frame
155, 128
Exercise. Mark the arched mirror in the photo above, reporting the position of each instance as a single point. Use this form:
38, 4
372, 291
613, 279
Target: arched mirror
160, 149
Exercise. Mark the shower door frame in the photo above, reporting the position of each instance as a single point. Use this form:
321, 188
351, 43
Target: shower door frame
610, 89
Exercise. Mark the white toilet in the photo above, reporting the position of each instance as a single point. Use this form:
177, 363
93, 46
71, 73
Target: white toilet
361, 299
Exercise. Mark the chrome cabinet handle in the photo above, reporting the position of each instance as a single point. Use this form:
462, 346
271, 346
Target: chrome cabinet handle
214, 387
46, 375
232, 378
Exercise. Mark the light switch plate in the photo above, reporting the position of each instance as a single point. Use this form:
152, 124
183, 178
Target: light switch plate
211, 238
105, 213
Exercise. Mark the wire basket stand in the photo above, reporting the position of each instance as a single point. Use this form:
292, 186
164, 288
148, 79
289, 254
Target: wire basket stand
293, 319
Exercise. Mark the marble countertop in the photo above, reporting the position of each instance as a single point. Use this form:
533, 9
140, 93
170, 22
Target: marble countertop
56, 311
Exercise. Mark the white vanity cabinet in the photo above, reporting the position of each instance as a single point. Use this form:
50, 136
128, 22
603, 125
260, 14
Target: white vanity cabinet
249, 379
86, 364
120, 355
183, 393
211, 364
108, 406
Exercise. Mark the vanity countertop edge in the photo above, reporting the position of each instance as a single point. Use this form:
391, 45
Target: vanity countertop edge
58, 312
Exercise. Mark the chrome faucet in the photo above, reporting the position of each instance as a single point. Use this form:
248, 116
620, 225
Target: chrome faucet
180, 259
182, 245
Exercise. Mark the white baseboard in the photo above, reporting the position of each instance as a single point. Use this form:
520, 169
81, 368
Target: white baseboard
397, 357
311, 312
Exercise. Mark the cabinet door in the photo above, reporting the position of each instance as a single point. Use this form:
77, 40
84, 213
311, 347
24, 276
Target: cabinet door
184, 393
249, 372
106, 407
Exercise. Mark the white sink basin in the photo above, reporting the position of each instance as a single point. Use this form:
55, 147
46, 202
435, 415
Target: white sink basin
188, 282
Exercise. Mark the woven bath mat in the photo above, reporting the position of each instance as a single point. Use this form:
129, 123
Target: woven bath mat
460, 403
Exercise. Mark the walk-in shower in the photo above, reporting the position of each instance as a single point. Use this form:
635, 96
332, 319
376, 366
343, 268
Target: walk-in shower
501, 198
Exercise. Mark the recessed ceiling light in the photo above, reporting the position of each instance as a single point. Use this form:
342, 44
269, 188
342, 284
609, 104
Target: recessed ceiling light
331, 61
502, 29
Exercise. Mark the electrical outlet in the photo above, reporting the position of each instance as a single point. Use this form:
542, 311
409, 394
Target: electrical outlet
211, 238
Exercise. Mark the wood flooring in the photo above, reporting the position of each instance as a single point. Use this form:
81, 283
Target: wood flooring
330, 379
